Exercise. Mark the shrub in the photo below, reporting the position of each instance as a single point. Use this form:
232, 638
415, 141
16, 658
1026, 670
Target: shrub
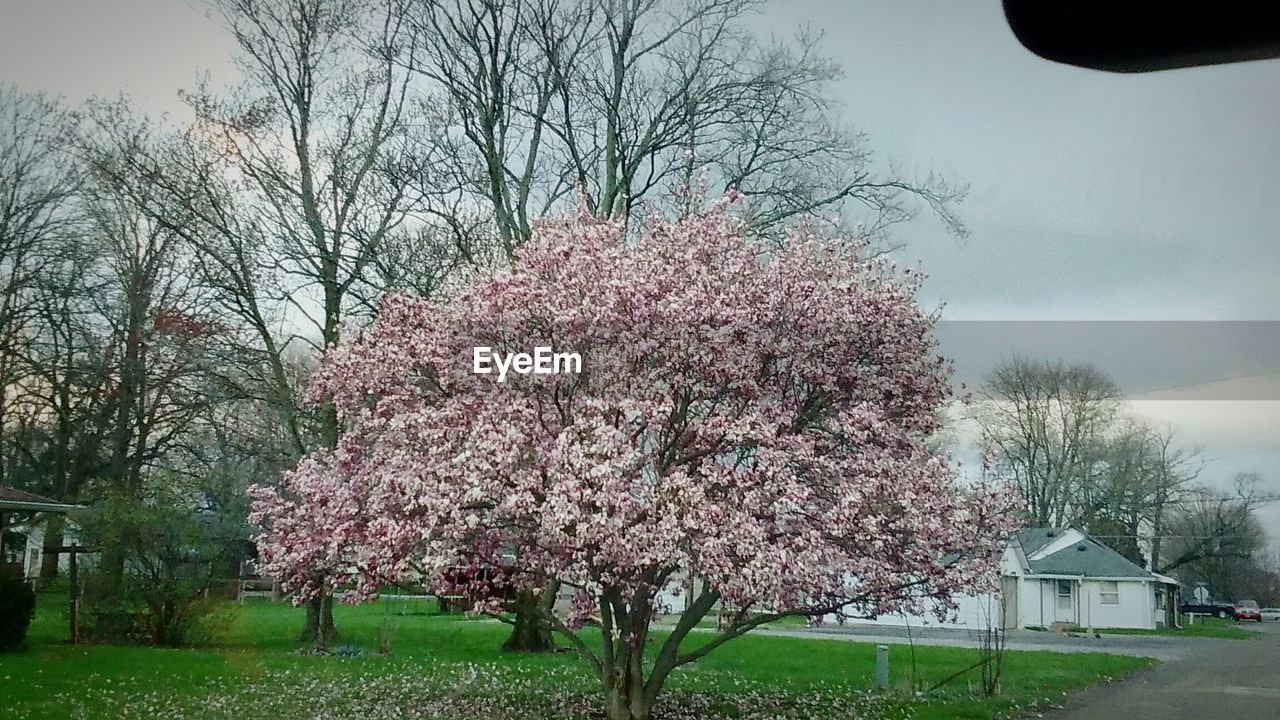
161, 615
17, 607
162, 573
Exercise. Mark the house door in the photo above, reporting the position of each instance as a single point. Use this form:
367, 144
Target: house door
1064, 607
1009, 602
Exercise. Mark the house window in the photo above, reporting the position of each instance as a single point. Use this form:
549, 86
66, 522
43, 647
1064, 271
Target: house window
1064, 595
1109, 592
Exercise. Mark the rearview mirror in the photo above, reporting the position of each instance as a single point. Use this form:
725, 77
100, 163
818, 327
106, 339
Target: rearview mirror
1142, 36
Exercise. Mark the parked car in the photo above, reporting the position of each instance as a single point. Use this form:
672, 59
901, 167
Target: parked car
1271, 613
1222, 610
1248, 610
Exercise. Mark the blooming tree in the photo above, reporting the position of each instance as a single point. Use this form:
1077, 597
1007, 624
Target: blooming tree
749, 420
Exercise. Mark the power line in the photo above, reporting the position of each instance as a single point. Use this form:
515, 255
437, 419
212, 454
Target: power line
1229, 378
1243, 454
1267, 498
1157, 537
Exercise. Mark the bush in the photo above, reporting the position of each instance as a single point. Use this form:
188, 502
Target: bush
17, 607
161, 576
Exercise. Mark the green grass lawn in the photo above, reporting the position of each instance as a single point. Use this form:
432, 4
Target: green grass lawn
442, 666
1203, 627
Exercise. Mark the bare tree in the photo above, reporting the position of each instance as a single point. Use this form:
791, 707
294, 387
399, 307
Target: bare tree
37, 183
115, 362
63, 398
143, 307
291, 185
39, 220
625, 99
1209, 526
1176, 468
294, 189
152, 312
1060, 434
1046, 424
1140, 474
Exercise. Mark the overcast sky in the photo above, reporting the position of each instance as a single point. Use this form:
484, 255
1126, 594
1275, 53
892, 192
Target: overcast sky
1094, 197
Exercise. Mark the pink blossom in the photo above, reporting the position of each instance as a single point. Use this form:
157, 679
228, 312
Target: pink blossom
754, 416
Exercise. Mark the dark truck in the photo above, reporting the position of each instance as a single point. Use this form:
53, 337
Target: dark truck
1223, 610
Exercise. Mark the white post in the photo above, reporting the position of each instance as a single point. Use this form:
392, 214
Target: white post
882, 666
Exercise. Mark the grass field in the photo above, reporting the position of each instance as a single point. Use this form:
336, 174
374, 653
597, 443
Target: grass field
1203, 628
446, 667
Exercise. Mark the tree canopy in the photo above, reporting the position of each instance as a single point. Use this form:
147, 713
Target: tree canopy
751, 416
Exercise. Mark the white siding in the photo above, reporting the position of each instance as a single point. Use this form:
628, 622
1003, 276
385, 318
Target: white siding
1133, 611
1037, 603
1036, 600
31, 556
973, 612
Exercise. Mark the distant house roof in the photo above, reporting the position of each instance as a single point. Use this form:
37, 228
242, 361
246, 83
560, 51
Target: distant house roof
1084, 558
1032, 539
15, 499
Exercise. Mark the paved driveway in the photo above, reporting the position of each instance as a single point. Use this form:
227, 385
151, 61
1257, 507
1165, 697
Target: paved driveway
1231, 680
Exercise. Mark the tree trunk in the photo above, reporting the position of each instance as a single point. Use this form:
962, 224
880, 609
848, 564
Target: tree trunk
319, 627
626, 694
626, 704
52, 541
110, 566
532, 629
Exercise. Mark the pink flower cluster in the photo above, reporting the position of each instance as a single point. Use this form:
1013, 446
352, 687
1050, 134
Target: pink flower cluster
754, 414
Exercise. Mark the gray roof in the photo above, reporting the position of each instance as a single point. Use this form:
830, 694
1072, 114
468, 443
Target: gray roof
1087, 558
1033, 538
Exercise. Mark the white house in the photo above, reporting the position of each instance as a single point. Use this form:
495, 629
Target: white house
1047, 576
1051, 575
1064, 576
34, 511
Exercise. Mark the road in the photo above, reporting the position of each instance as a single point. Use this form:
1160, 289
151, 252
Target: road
1229, 679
